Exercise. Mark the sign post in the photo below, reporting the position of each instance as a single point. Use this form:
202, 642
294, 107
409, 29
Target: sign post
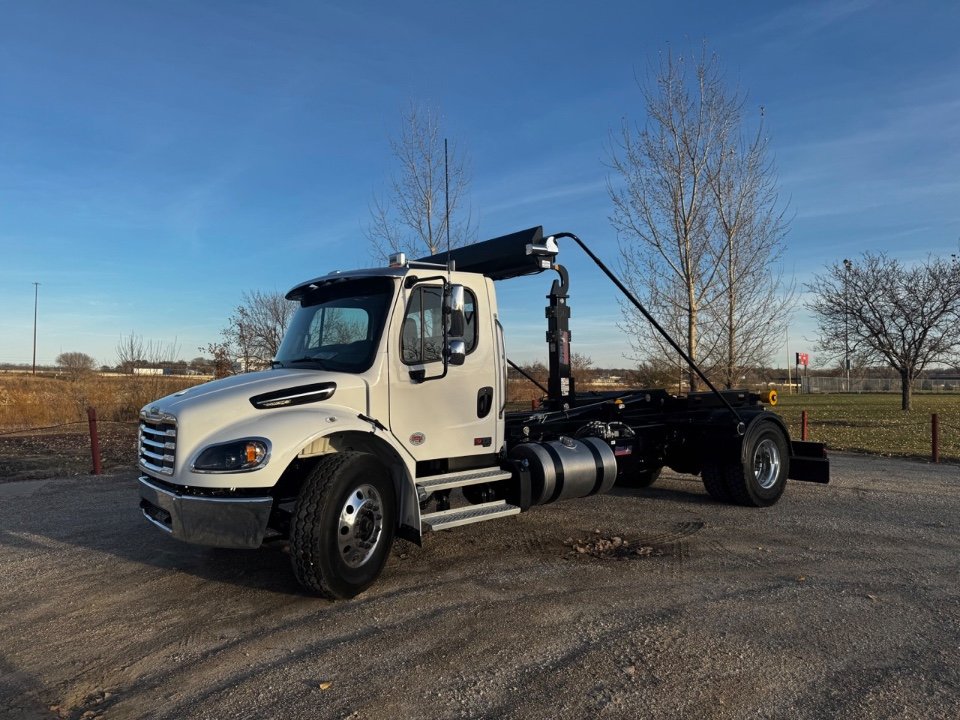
802, 359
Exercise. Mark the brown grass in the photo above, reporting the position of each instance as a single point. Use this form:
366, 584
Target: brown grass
28, 401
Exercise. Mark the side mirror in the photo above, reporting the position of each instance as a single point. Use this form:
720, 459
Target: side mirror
456, 352
453, 303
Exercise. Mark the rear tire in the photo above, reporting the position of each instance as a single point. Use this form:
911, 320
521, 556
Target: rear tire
343, 525
760, 478
715, 481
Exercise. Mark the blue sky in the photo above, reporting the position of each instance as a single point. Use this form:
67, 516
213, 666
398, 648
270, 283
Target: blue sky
159, 158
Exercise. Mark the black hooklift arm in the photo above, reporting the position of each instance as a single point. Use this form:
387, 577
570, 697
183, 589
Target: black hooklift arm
527, 375
630, 296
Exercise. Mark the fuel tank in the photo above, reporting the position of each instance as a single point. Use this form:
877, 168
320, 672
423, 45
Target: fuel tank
567, 468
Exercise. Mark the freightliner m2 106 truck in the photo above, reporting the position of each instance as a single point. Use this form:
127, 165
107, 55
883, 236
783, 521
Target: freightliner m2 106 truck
385, 415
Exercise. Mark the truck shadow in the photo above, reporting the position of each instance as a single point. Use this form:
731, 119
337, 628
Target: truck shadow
22, 695
103, 515
686, 491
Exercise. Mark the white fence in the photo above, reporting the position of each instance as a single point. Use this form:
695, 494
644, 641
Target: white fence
876, 385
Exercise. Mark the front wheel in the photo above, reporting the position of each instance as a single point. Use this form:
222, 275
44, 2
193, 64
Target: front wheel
343, 525
761, 476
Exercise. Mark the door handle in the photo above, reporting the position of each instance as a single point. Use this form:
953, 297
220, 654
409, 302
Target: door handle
484, 401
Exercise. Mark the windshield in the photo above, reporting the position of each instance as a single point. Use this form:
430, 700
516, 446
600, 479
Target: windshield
337, 326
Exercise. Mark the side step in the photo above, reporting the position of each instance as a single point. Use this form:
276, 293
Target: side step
455, 517
462, 479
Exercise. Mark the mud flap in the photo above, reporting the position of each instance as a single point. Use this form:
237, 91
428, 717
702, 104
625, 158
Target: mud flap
808, 462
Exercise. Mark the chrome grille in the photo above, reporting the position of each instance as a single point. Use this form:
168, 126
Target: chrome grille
158, 442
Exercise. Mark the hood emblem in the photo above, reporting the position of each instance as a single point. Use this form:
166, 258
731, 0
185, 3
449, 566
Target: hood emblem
418, 438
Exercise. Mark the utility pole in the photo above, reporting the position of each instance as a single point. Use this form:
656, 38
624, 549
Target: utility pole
846, 320
36, 290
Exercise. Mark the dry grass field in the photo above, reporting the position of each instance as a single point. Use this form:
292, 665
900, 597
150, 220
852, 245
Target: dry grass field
43, 421
36, 400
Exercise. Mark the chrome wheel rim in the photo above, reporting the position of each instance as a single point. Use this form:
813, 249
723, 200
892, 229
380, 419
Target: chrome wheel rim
766, 463
361, 525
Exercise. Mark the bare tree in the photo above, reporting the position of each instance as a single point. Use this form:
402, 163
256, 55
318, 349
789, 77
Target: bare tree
76, 364
130, 352
411, 217
754, 302
693, 205
581, 367
254, 331
879, 310
222, 364
133, 351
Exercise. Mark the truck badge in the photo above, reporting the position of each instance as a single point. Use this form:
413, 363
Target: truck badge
418, 438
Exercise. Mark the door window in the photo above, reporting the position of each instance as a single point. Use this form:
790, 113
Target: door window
422, 334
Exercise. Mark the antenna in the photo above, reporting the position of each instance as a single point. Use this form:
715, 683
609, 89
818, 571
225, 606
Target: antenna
446, 196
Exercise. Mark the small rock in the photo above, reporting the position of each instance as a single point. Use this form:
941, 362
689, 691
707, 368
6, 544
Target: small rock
325, 685
631, 670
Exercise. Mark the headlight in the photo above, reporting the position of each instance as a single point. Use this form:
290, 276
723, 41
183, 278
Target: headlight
236, 456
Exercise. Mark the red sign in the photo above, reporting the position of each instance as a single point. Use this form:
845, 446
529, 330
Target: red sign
803, 359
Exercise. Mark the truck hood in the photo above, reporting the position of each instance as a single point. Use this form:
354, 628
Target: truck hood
232, 397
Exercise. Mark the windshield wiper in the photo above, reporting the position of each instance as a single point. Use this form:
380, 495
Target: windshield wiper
309, 359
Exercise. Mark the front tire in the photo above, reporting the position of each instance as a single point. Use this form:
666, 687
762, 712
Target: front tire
759, 479
343, 525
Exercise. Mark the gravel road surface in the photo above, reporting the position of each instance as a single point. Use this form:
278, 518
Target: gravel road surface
840, 601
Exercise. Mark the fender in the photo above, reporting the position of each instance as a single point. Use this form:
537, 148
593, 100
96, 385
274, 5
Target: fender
289, 430
340, 426
752, 431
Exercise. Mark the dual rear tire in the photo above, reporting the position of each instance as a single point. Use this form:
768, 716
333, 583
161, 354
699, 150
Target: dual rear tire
759, 478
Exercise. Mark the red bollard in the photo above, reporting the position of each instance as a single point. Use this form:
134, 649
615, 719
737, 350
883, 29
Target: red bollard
94, 439
935, 437
803, 425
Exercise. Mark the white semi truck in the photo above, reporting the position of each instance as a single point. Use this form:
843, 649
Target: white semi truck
384, 415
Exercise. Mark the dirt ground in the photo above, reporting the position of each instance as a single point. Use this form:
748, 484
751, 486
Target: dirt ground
841, 601
65, 451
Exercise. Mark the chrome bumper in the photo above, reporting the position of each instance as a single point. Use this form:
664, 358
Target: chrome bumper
220, 522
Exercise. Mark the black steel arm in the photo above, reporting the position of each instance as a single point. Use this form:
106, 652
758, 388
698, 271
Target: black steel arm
526, 375
632, 298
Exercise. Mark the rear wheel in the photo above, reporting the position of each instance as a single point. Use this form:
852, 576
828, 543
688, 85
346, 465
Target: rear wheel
760, 478
343, 525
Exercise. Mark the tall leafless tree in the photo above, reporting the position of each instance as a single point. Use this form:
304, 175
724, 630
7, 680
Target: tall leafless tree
754, 303
411, 216
692, 203
880, 310
133, 351
130, 352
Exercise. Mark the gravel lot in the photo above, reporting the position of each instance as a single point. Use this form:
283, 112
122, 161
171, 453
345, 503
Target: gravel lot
841, 601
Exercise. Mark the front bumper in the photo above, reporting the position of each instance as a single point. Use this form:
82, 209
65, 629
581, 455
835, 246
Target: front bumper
236, 522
